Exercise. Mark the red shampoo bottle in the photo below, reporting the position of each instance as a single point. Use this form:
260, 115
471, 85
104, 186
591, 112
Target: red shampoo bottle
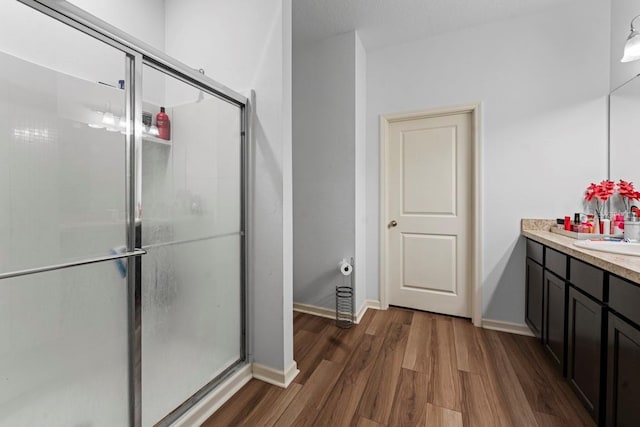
163, 124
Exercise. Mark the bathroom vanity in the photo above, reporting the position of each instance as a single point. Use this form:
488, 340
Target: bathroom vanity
584, 306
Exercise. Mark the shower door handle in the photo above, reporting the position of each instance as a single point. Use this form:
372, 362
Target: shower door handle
135, 252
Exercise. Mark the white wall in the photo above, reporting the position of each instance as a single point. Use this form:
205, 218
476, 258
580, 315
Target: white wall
542, 89
329, 83
143, 19
244, 45
30, 35
622, 12
34, 37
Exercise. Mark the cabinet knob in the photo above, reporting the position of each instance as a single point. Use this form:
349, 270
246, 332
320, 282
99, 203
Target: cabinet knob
393, 223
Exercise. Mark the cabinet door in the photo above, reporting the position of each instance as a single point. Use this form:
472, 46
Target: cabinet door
533, 315
623, 388
554, 317
584, 349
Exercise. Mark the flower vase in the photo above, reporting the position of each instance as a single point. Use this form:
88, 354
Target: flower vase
605, 225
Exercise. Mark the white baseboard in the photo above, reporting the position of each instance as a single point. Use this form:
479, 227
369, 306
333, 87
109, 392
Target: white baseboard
315, 310
214, 400
331, 313
367, 304
512, 328
274, 376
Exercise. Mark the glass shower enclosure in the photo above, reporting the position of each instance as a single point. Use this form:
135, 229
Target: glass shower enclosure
122, 246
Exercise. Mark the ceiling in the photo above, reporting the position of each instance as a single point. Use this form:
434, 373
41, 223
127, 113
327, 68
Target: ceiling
382, 23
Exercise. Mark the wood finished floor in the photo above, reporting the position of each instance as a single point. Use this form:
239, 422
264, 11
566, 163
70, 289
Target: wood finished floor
408, 368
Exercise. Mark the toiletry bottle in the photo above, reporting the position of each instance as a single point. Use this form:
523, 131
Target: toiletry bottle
163, 124
618, 225
590, 223
576, 223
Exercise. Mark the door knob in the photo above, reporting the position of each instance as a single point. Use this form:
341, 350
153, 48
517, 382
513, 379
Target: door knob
393, 223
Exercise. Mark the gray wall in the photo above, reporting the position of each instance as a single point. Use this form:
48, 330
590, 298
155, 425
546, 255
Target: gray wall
361, 173
543, 90
324, 78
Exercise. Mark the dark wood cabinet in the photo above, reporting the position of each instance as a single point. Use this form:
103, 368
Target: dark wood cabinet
623, 377
534, 296
588, 320
553, 336
584, 350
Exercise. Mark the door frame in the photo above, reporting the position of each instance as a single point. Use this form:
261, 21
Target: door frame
475, 278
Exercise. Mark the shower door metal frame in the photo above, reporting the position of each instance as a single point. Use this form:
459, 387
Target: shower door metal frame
138, 54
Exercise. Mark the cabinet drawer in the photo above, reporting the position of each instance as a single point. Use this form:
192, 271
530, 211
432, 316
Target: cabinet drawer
534, 251
556, 262
624, 297
587, 278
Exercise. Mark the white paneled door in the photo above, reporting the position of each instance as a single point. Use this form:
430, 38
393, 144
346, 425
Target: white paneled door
429, 204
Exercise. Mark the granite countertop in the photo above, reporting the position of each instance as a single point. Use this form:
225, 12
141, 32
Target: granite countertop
625, 266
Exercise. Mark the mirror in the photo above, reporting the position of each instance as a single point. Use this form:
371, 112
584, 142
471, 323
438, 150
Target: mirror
624, 133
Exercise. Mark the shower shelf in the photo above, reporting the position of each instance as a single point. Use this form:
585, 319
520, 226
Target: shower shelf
156, 140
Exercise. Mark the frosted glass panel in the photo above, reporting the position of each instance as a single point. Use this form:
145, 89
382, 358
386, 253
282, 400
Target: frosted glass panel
191, 183
62, 153
63, 352
191, 320
191, 223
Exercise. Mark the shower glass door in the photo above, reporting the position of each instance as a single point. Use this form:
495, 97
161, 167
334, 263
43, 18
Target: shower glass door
190, 211
64, 357
92, 333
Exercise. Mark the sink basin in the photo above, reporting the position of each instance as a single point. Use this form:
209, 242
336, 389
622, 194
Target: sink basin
614, 247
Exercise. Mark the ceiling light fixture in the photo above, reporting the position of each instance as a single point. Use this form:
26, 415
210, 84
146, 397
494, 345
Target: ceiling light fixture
632, 46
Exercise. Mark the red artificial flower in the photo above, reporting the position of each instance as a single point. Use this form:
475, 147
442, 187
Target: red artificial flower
591, 191
627, 191
602, 191
605, 190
